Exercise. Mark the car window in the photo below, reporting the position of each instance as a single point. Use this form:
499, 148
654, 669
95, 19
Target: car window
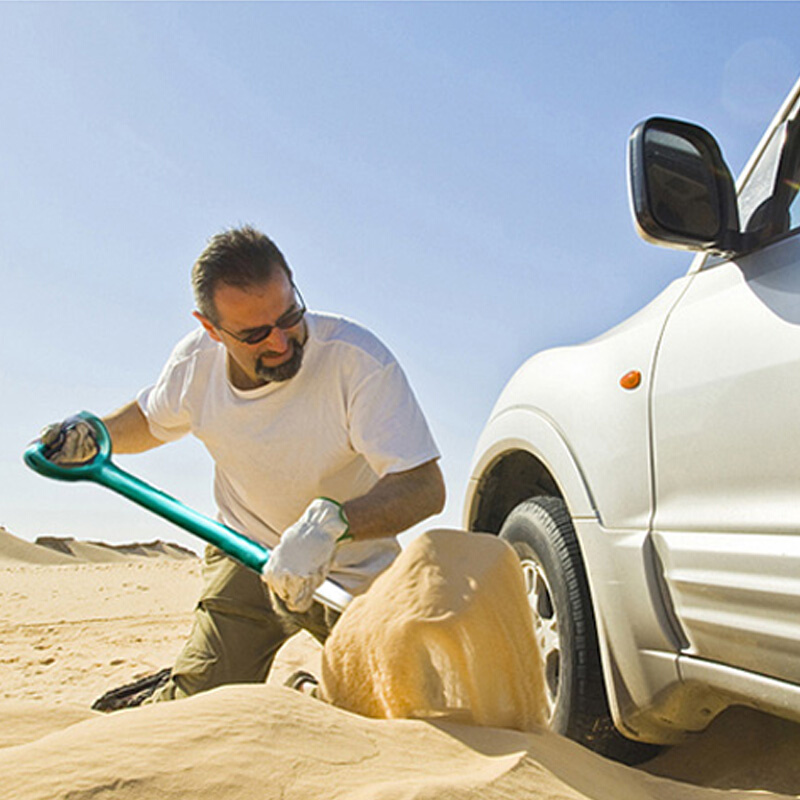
756, 193
792, 182
768, 203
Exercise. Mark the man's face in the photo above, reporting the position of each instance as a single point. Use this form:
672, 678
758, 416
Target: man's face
240, 313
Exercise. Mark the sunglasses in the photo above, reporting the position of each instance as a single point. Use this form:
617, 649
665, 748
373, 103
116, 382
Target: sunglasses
287, 320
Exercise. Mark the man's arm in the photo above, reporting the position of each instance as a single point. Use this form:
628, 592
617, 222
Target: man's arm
73, 441
301, 561
396, 502
129, 430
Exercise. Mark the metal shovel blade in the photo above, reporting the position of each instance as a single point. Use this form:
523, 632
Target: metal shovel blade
103, 471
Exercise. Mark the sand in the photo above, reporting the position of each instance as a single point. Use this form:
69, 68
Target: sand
69, 630
433, 638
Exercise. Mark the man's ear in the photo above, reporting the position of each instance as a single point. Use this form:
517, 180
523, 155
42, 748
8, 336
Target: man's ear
209, 328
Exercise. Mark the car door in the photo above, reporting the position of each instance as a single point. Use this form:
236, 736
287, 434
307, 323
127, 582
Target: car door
726, 438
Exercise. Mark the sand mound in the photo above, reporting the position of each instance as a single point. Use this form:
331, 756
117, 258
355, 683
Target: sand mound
66, 550
26, 721
742, 749
82, 551
14, 550
155, 549
239, 742
445, 631
104, 553
266, 742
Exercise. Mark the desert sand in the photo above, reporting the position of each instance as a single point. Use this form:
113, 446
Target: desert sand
434, 638
74, 624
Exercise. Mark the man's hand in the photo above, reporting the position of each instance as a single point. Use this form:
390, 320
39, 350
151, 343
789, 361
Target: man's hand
301, 561
69, 443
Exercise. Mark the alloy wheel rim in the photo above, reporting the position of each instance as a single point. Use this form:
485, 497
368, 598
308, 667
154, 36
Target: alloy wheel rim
545, 627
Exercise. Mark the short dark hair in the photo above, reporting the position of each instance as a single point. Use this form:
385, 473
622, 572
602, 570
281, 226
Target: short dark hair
238, 257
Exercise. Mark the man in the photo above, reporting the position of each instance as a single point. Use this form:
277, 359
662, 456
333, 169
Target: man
320, 452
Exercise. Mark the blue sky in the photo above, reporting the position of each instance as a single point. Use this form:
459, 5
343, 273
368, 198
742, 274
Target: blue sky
450, 174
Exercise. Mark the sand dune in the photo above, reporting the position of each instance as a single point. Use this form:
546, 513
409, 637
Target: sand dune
71, 630
66, 550
14, 550
83, 551
268, 742
101, 552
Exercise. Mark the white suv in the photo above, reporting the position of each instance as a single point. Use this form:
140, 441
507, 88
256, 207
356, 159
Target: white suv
650, 479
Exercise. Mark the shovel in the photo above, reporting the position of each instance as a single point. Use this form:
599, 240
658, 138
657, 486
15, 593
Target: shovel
102, 470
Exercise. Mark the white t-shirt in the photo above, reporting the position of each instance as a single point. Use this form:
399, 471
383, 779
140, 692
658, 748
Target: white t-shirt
346, 419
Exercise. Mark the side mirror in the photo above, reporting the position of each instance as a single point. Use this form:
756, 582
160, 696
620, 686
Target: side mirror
682, 192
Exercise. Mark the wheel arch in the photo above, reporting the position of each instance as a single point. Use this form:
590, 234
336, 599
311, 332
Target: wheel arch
520, 454
513, 477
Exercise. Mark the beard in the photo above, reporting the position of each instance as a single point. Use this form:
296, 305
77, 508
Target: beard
285, 371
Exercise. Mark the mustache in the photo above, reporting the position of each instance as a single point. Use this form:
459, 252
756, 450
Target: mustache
275, 353
285, 371
293, 347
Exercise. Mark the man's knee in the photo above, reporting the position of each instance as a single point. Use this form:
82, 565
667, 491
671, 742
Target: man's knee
173, 689
224, 647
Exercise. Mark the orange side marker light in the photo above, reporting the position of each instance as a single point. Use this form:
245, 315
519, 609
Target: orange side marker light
631, 379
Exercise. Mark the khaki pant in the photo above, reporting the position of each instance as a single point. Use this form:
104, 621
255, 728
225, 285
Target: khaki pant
239, 626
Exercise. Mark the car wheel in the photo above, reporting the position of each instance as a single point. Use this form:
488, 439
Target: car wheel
540, 531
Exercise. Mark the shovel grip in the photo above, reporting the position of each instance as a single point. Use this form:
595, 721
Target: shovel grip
36, 455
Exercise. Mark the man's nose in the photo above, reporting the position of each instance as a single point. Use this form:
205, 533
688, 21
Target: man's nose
277, 340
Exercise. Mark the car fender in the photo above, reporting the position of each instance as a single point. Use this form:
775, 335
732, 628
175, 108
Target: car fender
528, 429
566, 412
568, 407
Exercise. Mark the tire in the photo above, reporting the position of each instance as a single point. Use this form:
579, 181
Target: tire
540, 531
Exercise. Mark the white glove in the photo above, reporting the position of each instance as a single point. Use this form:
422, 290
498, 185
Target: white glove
70, 443
300, 563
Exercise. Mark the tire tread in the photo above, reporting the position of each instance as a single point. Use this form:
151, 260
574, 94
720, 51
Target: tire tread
588, 719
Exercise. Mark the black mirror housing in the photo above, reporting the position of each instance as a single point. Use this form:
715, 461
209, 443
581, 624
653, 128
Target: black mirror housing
682, 193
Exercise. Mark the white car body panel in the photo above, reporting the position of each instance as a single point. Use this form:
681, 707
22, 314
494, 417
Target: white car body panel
609, 422
727, 461
683, 491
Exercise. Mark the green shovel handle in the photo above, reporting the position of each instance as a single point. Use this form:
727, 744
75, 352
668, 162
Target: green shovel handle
103, 471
